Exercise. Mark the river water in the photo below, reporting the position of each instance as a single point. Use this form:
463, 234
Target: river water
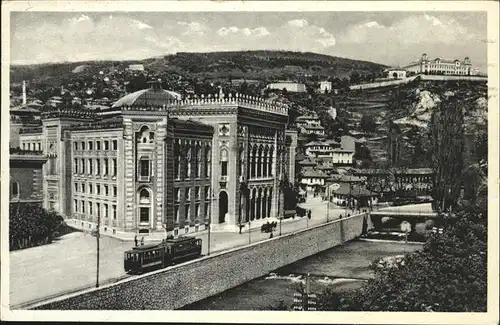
341, 268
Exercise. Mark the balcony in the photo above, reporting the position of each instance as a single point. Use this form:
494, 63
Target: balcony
142, 178
223, 178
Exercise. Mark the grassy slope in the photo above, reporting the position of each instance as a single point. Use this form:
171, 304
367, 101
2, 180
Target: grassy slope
243, 64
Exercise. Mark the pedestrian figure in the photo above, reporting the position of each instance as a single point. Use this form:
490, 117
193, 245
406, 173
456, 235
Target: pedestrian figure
142, 241
135, 240
309, 214
271, 236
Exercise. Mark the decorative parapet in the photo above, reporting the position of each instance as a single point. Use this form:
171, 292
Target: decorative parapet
70, 113
31, 130
241, 100
94, 126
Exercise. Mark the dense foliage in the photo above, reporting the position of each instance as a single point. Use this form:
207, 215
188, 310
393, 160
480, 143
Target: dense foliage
31, 225
448, 275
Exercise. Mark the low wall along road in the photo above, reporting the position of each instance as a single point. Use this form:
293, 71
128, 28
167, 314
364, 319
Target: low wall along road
187, 283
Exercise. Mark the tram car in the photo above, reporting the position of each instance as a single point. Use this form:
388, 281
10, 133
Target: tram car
145, 258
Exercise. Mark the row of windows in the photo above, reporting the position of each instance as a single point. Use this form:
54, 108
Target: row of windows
89, 166
95, 208
89, 145
191, 214
192, 167
34, 146
83, 188
197, 193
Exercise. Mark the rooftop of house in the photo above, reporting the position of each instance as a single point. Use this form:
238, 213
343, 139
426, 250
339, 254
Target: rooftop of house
313, 174
352, 190
313, 127
397, 171
341, 178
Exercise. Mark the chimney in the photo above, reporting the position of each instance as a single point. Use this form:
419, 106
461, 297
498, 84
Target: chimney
24, 92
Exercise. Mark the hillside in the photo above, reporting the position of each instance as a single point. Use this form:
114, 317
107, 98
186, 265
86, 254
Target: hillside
405, 111
260, 65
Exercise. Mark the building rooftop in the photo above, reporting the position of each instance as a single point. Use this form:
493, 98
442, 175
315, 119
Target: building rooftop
352, 190
147, 97
313, 174
316, 143
313, 127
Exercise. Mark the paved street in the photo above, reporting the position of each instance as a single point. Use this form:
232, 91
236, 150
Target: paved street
69, 264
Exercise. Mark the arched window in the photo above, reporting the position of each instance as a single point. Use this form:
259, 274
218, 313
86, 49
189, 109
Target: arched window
259, 161
145, 135
198, 161
188, 161
242, 161
224, 161
208, 159
144, 197
253, 162
177, 160
270, 161
15, 189
265, 170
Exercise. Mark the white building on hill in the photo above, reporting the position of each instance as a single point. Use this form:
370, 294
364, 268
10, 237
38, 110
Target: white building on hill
440, 66
289, 86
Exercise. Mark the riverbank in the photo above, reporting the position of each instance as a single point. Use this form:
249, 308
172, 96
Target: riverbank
342, 268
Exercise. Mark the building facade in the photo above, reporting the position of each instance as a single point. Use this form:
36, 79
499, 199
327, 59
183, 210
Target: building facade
440, 66
155, 163
26, 177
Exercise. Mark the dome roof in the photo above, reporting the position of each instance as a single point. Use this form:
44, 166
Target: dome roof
147, 97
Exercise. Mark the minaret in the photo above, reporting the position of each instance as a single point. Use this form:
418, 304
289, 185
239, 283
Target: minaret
24, 92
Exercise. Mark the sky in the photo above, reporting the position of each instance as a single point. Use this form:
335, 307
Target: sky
391, 38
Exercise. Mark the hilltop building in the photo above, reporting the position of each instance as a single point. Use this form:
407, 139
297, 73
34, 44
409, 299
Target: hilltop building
136, 67
440, 66
396, 73
325, 86
289, 86
154, 163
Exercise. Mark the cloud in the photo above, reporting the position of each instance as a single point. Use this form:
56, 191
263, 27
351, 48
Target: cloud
298, 23
246, 31
84, 38
193, 28
416, 29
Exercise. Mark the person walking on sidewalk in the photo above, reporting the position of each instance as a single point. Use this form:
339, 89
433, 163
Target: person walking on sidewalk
142, 241
135, 240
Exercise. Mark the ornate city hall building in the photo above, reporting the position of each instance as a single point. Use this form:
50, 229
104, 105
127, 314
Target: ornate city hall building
156, 163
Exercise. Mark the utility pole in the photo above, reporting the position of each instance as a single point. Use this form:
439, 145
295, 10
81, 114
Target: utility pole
282, 189
210, 221
98, 235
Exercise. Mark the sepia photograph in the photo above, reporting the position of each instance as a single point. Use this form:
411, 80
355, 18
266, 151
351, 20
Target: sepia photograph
205, 156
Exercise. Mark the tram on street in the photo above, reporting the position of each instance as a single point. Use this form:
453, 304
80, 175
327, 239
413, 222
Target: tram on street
146, 258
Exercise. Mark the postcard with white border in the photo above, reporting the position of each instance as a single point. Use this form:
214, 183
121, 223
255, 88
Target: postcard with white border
250, 161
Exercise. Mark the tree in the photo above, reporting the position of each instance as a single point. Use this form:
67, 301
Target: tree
31, 225
448, 275
447, 145
368, 124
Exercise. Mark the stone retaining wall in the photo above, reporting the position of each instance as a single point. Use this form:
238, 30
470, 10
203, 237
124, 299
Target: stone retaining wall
181, 285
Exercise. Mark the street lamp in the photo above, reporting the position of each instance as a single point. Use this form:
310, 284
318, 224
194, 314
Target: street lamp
98, 235
210, 222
